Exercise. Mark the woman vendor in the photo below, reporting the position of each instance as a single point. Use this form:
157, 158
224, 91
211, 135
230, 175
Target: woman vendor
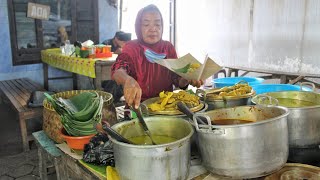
135, 68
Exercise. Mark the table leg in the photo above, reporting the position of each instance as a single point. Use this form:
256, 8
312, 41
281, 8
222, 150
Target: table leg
230, 71
283, 79
45, 76
98, 80
42, 164
23, 130
60, 168
294, 81
75, 81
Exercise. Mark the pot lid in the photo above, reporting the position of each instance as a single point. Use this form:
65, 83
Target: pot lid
295, 171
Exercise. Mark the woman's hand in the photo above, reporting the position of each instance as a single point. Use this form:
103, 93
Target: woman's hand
131, 89
183, 82
132, 92
196, 83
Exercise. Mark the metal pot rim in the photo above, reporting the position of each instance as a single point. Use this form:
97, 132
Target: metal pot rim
152, 146
248, 124
178, 115
290, 108
248, 95
306, 107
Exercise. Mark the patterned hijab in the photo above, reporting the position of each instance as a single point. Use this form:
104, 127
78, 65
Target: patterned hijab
149, 8
151, 51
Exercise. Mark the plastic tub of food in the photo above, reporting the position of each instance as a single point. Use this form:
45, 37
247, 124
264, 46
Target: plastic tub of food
230, 81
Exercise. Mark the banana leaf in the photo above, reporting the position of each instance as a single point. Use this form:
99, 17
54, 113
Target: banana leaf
79, 113
78, 102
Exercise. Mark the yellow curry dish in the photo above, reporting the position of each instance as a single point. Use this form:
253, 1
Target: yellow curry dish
230, 91
167, 101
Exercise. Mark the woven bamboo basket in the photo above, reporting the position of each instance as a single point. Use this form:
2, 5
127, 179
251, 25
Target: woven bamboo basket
52, 122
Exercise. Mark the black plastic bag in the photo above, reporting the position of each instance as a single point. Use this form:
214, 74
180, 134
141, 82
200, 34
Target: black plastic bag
99, 151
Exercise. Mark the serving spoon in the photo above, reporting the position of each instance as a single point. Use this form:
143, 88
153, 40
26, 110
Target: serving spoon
184, 108
143, 123
109, 131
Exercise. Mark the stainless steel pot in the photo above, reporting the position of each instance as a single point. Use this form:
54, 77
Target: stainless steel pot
228, 102
225, 102
303, 122
244, 150
165, 161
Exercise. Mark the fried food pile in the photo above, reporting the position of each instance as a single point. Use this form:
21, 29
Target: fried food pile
168, 101
236, 90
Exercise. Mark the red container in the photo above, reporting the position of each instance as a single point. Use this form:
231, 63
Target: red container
76, 142
104, 55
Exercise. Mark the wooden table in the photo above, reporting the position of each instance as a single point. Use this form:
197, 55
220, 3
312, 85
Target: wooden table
98, 69
285, 77
66, 166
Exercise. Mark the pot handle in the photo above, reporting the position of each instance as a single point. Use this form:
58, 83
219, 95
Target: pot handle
196, 124
144, 109
201, 93
308, 83
261, 97
206, 128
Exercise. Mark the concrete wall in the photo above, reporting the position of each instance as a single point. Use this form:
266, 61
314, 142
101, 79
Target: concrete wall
108, 20
7, 70
282, 35
108, 25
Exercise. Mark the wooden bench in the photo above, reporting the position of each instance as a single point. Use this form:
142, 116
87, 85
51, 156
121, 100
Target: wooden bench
17, 92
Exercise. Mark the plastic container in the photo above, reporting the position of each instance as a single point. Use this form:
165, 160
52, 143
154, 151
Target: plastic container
230, 81
104, 55
76, 142
265, 88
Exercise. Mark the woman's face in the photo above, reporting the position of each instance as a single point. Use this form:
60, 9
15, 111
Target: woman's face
151, 27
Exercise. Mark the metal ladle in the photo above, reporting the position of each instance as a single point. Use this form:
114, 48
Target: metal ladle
109, 131
142, 122
184, 108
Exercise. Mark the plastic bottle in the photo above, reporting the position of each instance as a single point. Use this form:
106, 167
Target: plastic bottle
67, 48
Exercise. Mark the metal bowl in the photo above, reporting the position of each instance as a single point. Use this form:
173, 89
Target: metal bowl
147, 102
224, 102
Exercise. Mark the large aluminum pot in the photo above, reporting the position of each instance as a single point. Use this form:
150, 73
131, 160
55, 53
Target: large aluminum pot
304, 121
244, 150
165, 161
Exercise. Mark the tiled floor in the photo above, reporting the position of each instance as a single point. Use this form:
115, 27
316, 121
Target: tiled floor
14, 163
